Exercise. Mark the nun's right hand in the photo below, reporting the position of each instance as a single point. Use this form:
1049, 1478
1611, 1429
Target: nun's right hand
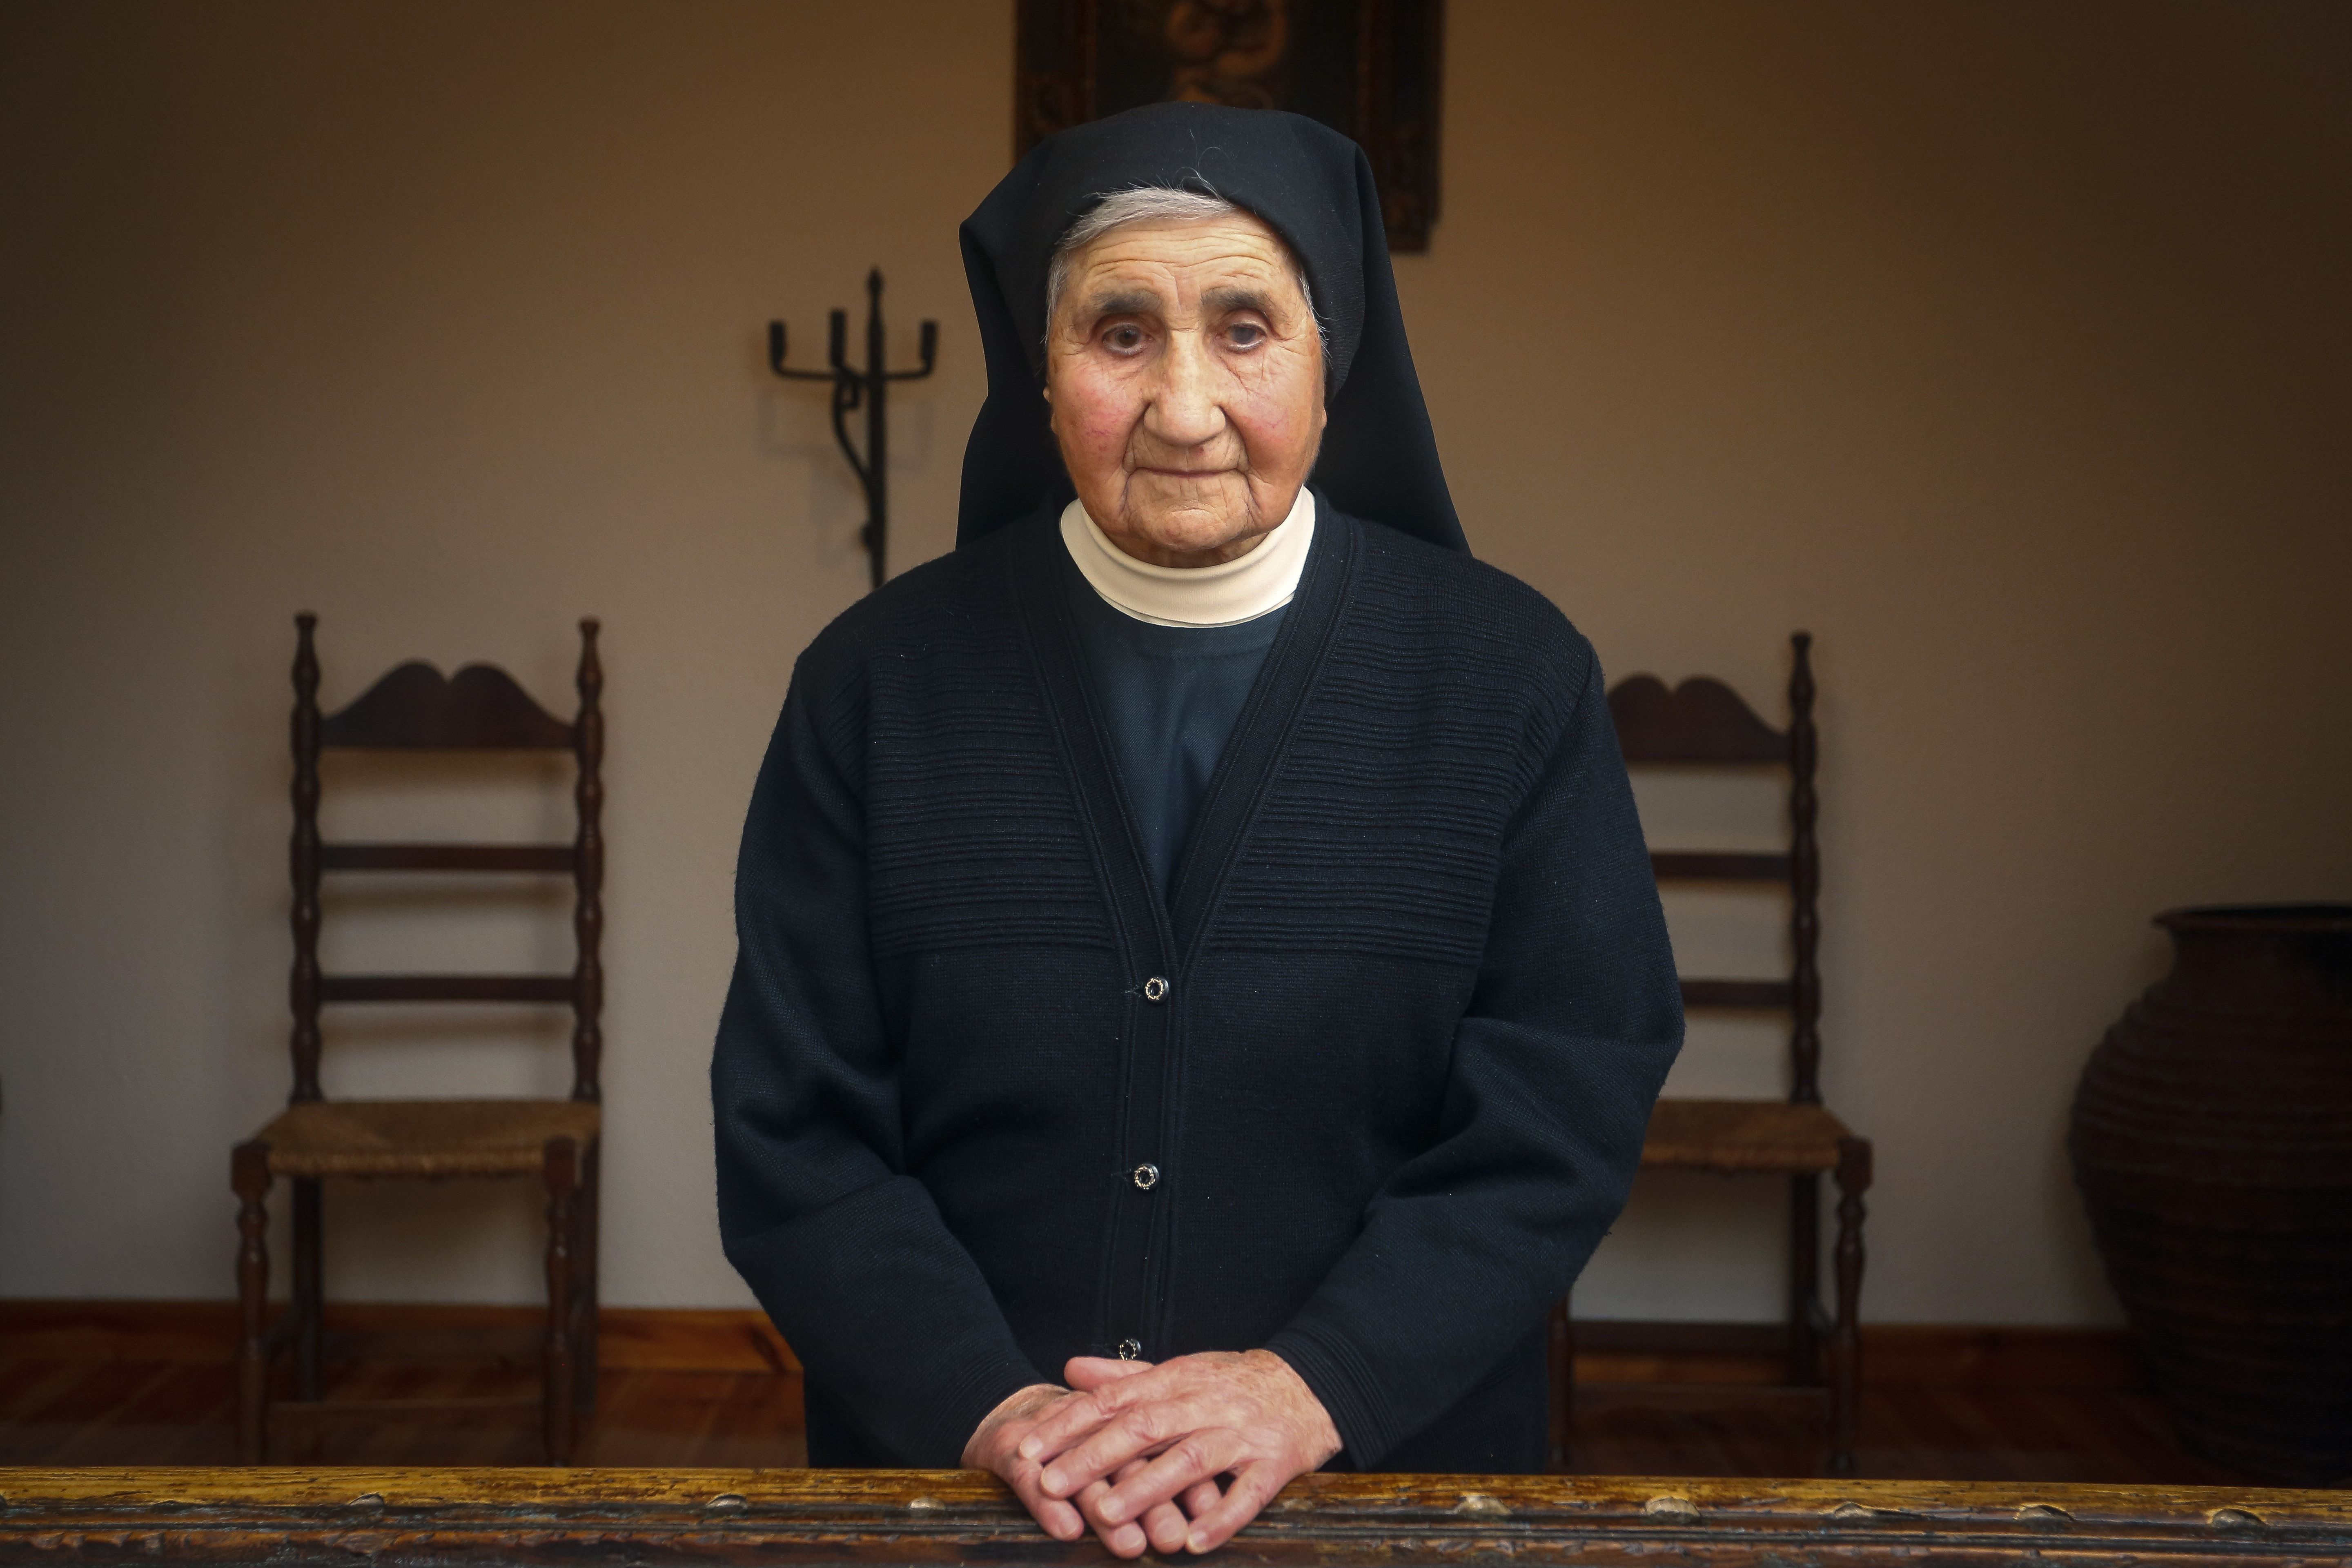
996, 1447
1212, 1435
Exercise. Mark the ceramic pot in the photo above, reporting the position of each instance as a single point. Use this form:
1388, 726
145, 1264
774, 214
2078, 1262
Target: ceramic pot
2212, 1142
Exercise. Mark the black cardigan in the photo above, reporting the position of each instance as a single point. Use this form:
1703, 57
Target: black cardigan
1366, 1091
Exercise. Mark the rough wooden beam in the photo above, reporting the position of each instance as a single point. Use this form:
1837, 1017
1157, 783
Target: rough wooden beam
531, 1517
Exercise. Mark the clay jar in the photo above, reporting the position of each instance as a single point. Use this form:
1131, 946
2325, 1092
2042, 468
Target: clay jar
2212, 1142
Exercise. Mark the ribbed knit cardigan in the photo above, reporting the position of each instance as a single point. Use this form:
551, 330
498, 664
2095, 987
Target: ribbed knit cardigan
1366, 1090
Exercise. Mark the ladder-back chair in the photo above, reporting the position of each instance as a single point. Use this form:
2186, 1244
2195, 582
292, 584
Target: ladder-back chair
1704, 723
481, 708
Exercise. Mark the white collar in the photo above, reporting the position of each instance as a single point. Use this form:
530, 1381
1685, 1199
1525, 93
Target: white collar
1225, 595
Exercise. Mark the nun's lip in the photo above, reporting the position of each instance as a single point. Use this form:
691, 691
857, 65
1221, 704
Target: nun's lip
1182, 473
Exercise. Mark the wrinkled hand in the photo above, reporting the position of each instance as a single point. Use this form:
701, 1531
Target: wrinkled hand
1142, 1450
995, 1446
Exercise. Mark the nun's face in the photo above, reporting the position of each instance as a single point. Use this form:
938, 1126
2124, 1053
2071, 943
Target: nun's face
1186, 378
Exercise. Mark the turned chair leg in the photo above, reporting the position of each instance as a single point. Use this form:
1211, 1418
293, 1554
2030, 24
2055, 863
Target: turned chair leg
1561, 1361
562, 1169
1845, 1337
1805, 1280
309, 1295
249, 1179
585, 1218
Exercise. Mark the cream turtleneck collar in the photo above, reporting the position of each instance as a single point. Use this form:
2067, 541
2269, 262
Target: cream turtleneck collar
1235, 591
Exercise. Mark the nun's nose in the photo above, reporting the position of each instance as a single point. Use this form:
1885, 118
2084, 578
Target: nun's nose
1185, 410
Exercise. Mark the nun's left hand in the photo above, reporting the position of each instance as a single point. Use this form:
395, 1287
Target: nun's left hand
1215, 1436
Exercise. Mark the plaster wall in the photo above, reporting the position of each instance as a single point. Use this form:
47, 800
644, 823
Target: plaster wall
2002, 346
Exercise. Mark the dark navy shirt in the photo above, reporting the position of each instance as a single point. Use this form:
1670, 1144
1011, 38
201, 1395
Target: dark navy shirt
1170, 696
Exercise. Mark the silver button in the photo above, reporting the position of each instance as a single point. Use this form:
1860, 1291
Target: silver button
1155, 989
1131, 1350
1146, 1176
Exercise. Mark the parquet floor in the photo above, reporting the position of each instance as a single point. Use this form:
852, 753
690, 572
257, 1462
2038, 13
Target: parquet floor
102, 1412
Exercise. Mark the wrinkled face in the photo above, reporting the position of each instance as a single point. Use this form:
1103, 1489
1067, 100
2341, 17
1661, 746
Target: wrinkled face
1186, 379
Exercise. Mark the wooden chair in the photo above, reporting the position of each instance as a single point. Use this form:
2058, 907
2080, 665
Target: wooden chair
1704, 723
414, 707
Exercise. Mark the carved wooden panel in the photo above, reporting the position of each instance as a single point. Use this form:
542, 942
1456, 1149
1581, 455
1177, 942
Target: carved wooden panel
415, 705
1701, 720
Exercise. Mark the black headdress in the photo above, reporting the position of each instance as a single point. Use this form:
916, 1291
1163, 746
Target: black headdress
1312, 187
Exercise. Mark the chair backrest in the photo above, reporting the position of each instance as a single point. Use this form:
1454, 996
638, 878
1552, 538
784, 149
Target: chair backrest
479, 708
1704, 722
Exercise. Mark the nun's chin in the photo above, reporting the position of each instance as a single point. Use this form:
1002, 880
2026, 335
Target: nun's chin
1171, 521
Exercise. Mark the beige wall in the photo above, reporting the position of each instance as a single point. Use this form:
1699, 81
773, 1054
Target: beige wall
2005, 346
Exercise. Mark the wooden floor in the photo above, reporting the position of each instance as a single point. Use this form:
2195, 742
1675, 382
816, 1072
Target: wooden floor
179, 1413
85, 1411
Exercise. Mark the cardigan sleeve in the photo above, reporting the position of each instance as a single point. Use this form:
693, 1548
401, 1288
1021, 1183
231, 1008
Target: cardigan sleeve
846, 1252
1575, 1018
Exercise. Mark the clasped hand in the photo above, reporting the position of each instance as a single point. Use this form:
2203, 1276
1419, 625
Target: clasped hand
1177, 1455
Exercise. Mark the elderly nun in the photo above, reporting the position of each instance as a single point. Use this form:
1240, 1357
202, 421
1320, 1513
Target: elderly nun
1201, 986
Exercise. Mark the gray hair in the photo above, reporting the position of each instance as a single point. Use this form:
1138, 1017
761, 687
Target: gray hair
1157, 203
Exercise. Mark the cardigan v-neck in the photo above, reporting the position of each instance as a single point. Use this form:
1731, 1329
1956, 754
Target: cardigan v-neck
1167, 695
1174, 918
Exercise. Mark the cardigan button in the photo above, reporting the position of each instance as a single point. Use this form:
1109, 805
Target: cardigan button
1155, 989
1131, 1350
1146, 1176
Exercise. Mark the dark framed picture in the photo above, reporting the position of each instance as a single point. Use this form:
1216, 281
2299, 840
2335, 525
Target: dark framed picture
1369, 69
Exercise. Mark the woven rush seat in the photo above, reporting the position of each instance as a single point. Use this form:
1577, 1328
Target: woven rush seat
1742, 1135
423, 1137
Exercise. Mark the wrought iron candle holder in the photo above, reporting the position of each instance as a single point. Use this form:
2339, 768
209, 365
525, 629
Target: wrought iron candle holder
869, 388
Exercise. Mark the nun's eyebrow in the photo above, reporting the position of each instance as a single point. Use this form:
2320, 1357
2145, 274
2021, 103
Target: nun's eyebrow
1120, 303
1227, 302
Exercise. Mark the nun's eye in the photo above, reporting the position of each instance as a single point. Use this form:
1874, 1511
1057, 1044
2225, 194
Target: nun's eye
1124, 339
1245, 334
